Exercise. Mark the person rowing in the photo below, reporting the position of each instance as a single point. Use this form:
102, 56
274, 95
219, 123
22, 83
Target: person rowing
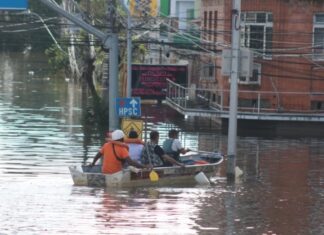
115, 154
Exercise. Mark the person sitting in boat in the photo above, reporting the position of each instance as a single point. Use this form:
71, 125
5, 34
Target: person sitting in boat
108, 135
135, 146
173, 147
154, 155
115, 154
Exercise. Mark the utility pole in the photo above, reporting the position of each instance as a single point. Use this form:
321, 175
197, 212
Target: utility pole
129, 55
235, 68
110, 42
129, 50
113, 66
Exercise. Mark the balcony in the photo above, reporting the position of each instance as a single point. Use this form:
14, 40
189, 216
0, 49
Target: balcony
252, 105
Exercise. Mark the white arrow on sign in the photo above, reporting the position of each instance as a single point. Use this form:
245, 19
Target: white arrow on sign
133, 102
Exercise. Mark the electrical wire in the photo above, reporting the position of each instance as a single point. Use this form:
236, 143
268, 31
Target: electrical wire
190, 38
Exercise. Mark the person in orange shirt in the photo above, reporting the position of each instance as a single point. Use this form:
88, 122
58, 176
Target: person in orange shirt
115, 154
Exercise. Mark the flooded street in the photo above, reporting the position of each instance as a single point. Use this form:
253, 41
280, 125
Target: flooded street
43, 131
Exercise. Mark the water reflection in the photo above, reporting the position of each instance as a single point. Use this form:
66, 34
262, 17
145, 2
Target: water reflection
47, 125
152, 211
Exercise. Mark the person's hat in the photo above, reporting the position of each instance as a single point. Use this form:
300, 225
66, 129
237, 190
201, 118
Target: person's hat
132, 134
117, 135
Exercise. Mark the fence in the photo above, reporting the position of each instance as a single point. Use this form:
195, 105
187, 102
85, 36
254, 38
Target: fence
248, 101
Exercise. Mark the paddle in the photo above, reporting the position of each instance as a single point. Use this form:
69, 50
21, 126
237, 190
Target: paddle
153, 175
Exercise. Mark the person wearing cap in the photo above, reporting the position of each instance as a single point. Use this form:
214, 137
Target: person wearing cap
115, 154
135, 145
172, 146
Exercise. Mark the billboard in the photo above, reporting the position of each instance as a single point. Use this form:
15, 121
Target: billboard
13, 4
140, 8
150, 81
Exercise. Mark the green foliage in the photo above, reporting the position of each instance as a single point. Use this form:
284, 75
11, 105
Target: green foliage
100, 56
58, 59
139, 52
96, 8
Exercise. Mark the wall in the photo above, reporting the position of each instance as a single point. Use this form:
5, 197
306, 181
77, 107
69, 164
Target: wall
292, 28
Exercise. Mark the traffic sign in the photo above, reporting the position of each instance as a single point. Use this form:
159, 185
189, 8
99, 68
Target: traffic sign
132, 125
13, 4
128, 107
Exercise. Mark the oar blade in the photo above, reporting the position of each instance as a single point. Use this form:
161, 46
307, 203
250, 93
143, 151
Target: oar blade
154, 176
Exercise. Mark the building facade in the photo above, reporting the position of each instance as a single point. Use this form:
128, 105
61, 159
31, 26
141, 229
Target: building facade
170, 24
287, 40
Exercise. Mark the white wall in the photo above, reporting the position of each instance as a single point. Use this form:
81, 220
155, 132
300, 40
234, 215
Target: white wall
179, 9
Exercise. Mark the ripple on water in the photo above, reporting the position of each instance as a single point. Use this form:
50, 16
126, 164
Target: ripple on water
43, 132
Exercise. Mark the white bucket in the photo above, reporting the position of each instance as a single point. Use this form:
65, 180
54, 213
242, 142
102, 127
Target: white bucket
201, 178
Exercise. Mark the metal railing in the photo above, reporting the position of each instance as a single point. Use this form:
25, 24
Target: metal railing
249, 101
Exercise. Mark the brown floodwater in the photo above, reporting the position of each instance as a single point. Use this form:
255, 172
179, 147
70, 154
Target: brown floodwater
45, 127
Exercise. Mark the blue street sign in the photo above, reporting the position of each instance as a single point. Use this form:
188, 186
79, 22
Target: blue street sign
128, 107
13, 4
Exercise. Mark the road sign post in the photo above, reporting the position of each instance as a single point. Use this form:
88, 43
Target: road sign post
128, 107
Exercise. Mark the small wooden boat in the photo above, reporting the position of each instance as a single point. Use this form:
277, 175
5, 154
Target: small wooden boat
206, 162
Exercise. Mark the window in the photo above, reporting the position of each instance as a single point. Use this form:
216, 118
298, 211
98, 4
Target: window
205, 19
205, 25
215, 25
256, 32
318, 38
163, 30
208, 71
317, 105
210, 25
253, 103
256, 76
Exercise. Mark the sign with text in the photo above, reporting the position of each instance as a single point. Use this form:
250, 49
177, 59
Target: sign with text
150, 81
13, 4
128, 107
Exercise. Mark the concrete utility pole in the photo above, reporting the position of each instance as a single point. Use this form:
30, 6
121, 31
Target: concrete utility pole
110, 42
113, 67
129, 55
235, 67
129, 50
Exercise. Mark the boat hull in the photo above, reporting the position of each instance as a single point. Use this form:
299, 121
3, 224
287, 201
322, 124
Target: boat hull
133, 177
